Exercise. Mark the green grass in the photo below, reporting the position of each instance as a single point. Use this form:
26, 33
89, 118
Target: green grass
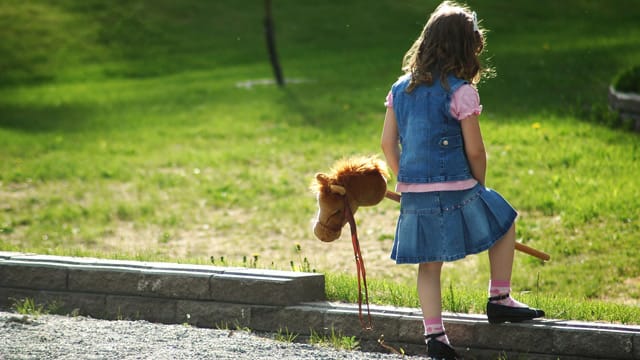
464, 299
123, 134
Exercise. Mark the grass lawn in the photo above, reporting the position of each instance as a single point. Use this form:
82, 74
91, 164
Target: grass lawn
131, 129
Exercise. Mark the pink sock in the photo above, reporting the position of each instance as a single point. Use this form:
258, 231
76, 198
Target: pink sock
434, 326
503, 287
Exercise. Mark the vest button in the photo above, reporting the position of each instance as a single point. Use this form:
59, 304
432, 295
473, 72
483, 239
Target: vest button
445, 142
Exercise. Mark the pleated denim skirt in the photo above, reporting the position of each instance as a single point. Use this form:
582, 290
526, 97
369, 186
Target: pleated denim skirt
449, 225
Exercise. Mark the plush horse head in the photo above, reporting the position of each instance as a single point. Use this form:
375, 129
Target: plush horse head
353, 182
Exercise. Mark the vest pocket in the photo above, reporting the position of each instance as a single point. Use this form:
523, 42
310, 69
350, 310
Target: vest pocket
450, 142
454, 160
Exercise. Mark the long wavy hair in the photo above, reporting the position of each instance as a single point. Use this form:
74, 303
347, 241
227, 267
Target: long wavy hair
447, 45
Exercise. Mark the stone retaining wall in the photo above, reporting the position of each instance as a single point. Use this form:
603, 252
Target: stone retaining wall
627, 105
267, 300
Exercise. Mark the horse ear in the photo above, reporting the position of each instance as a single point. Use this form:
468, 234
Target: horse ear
322, 179
338, 189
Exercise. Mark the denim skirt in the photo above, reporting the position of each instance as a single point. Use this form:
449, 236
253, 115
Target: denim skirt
449, 225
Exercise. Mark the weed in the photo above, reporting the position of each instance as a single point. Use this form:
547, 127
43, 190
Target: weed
221, 262
225, 325
303, 262
28, 306
335, 340
188, 319
285, 335
240, 327
390, 348
253, 263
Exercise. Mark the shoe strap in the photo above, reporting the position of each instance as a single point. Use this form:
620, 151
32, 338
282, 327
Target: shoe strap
499, 297
433, 336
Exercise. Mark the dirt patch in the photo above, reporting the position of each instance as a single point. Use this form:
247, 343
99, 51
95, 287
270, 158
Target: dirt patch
228, 236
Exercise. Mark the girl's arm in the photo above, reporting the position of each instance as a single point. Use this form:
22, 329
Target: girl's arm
389, 142
474, 147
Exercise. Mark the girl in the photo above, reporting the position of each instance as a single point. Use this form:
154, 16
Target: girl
431, 139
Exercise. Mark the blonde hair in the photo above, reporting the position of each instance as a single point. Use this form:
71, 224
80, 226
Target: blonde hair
448, 44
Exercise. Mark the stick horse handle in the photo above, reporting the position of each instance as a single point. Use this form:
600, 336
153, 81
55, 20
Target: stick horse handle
519, 246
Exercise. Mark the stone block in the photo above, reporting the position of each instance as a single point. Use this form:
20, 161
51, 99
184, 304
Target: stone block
84, 303
462, 333
177, 285
306, 288
295, 319
348, 322
208, 269
109, 280
596, 344
410, 329
9, 296
211, 314
250, 289
28, 275
55, 260
59, 302
522, 338
141, 308
493, 354
267, 287
8, 254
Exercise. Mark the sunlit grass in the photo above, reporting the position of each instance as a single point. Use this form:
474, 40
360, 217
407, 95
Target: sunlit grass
464, 299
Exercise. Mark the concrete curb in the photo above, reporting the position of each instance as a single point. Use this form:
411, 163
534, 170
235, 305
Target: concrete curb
268, 300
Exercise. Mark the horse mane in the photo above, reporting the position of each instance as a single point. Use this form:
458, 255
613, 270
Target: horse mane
352, 166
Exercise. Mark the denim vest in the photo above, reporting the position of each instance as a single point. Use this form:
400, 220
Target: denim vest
431, 139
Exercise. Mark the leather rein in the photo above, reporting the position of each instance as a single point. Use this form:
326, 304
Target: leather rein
361, 271
362, 274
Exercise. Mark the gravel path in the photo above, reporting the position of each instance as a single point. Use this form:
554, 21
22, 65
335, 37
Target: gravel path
62, 337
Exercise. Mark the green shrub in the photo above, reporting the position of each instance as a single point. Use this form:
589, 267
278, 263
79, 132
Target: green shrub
628, 80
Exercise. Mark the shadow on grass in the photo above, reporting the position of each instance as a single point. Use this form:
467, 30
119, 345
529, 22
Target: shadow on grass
39, 119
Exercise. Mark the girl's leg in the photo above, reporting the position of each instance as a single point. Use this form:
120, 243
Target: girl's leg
429, 294
501, 260
501, 256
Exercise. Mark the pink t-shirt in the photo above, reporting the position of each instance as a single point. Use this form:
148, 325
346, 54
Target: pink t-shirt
464, 103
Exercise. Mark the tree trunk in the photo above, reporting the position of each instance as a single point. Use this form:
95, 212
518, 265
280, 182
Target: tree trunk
271, 43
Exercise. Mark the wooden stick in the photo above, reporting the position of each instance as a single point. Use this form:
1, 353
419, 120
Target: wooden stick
519, 246
533, 252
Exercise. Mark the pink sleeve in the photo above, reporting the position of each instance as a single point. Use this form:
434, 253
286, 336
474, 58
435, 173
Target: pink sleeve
465, 102
389, 101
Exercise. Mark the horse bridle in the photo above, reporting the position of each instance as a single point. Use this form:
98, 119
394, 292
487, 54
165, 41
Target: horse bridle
362, 274
361, 271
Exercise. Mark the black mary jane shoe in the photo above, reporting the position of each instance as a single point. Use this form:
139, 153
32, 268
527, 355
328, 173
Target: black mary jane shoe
497, 313
437, 350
